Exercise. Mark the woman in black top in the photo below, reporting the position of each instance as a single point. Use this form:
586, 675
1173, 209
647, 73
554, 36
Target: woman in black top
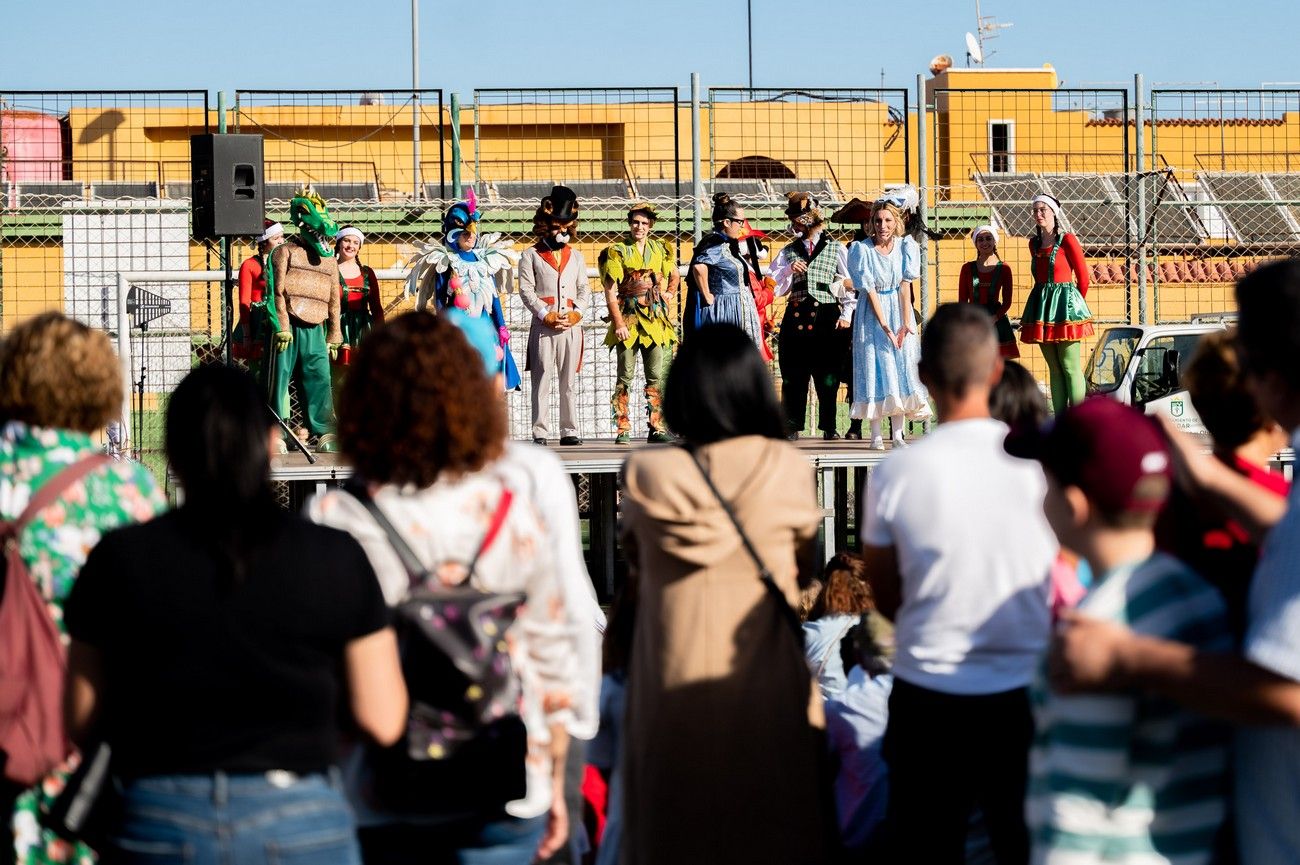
212, 648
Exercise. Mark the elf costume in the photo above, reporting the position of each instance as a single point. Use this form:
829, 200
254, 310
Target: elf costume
1056, 315
990, 290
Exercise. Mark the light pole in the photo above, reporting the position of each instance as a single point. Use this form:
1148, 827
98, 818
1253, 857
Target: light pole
749, 26
415, 98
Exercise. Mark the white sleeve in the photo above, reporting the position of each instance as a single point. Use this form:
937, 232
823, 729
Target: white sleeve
1273, 638
878, 509
780, 272
848, 296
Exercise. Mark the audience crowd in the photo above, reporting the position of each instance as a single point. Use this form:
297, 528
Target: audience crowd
1063, 641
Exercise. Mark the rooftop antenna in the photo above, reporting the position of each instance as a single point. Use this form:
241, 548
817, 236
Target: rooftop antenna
986, 27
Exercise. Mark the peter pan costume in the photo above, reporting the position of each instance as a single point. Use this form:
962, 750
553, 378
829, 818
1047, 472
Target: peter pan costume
554, 287
304, 316
1056, 315
810, 345
637, 280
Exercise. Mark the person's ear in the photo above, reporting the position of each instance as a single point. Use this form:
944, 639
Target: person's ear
995, 375
1080, 507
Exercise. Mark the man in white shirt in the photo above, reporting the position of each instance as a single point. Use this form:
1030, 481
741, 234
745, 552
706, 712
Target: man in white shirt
959, 554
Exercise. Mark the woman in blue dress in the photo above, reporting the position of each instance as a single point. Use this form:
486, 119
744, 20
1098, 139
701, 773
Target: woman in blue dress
882, 267
718, 287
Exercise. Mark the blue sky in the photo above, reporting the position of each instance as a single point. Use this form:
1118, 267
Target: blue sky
156, 44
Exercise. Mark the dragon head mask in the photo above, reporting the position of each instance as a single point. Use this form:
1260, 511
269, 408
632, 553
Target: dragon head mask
309, 213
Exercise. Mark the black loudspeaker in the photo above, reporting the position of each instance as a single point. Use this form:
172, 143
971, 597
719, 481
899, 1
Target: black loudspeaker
226, 185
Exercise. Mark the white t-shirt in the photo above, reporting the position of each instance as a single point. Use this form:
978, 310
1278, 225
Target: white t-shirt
974, 551
1268, 758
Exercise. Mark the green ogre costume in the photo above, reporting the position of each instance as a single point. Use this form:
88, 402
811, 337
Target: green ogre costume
639, 278
304, 316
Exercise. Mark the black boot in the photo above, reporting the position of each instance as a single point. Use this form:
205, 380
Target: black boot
855, 430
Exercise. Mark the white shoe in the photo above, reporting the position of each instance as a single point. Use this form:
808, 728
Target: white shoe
877, 443
899, 442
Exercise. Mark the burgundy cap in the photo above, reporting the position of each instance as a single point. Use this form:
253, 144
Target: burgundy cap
1109, 450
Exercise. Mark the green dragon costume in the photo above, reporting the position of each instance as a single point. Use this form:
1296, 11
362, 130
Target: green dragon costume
304, 330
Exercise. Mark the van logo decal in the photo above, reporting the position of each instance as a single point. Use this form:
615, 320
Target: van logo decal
1176, 407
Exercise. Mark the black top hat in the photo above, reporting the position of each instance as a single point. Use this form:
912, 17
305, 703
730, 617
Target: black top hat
561, 205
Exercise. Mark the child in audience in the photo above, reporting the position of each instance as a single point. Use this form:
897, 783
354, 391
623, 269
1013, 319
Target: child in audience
1122, 776
831, 620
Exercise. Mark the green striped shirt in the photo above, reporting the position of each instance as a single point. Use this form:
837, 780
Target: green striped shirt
1132, 778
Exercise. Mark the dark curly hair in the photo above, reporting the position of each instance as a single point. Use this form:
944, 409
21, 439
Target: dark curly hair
417, 403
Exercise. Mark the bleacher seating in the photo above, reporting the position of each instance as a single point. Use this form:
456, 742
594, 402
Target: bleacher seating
1090, 206
517, 191
1010, 194
177, 188
820, 188
1167, 222
1257, 222
110, 189
48, 193
663, 189
604, 189
741, 189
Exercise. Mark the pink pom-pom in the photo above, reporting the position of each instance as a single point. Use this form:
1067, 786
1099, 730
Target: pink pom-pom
503, 334
454, 283
461, 301
471, 199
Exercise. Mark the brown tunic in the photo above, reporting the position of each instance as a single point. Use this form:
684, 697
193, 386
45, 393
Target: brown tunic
306, 288
722, 741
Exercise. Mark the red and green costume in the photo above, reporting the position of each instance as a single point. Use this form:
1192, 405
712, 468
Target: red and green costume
1056, 315
992, 291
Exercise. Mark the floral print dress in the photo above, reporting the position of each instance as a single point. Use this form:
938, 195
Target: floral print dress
55, 546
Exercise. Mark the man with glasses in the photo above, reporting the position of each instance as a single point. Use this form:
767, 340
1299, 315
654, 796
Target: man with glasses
1257, 687
640, 278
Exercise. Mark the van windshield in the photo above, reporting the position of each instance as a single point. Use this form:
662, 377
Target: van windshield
1110, 358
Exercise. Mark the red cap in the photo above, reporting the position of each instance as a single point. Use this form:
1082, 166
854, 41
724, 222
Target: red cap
1112, 452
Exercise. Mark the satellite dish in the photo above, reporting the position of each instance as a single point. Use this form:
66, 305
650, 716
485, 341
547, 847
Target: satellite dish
973, 50
940, 63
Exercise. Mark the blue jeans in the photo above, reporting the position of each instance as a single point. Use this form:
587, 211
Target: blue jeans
498, 841
219, 819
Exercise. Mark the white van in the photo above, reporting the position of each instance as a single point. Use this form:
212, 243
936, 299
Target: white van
1142, 366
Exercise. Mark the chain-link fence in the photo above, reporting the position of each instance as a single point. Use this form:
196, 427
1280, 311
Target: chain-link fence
93, 184
612, 147
1232, 160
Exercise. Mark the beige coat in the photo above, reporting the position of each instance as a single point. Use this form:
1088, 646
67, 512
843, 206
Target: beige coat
722, 736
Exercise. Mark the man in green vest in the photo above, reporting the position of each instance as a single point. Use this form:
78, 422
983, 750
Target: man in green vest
811, 272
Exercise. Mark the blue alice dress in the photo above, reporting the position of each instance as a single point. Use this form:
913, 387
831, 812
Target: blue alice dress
885, 381
733, 300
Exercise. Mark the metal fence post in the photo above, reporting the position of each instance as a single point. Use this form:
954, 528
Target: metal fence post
1139, 123
455, 146
923, 180
227, 313
697, 182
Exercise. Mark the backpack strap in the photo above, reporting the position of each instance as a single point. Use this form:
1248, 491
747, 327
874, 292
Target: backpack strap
415, 569
48, 493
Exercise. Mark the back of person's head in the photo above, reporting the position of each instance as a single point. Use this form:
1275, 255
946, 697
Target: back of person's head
719, 388
959, 349
808, 596
1115, 455
1016, 399
1214, 381
218, 425
417, 403
1268, 325
57, 372
845, 590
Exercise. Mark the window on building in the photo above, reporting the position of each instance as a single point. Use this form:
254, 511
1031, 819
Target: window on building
1002, 146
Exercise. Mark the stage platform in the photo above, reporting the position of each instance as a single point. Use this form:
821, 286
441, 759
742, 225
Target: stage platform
842, 469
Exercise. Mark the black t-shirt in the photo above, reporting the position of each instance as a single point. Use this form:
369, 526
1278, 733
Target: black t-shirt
202, 675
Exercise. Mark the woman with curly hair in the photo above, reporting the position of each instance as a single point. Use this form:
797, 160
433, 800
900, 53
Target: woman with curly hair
428, 449
60, 385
